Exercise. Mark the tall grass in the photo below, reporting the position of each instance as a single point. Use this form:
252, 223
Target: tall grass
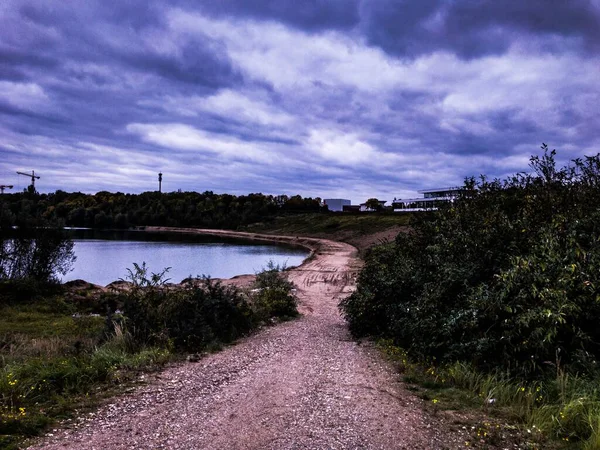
564, 407
35, 391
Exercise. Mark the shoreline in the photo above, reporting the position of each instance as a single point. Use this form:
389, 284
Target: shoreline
313, 245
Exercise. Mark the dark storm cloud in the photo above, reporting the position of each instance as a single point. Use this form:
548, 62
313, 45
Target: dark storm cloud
306, 14
14, 58
476, 28
136, 14
200, 62
7, 72
94, 62
110, 33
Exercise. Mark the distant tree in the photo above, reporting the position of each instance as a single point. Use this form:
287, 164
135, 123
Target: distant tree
101, 220
39, 253
373, 204
76, 217
106, 209
121, 221
281, 200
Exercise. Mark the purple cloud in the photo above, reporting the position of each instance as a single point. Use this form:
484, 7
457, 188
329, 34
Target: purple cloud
349, 99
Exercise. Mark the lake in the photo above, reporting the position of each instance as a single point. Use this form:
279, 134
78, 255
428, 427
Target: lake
105, 256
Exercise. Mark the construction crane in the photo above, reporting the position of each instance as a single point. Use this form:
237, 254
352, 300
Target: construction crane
31, 175
5, 186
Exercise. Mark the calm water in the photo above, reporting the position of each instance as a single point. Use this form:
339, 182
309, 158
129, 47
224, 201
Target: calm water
103, 257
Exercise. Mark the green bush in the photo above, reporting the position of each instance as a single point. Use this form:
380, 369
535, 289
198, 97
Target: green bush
202, 313
273, 294
506, 278
190, 317
198, 316
35, 253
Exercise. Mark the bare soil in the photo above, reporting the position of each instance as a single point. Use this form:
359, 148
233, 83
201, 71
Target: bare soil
304, 384
366, 241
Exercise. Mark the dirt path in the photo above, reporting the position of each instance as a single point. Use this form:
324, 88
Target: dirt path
303, 384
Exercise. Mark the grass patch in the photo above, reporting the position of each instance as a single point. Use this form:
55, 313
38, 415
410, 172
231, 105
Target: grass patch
331, 224
362, 230
54, 359
560, 412
37, 392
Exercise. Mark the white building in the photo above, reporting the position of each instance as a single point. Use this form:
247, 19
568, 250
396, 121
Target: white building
431, 200
336, 204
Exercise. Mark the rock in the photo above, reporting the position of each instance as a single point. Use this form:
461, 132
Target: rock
194, 357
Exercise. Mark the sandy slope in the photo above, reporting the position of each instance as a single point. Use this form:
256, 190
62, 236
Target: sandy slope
301, 384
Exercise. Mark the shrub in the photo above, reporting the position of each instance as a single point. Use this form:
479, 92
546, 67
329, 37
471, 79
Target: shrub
38, 254
202, 314
210, 313
505, 278
190, 317
273, 294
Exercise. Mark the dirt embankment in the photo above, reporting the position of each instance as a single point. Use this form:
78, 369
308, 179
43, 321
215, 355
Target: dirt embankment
303, 384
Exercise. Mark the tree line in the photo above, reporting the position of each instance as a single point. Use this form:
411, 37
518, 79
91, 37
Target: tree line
119, 210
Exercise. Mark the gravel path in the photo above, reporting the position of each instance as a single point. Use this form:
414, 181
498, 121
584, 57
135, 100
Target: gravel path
303, 384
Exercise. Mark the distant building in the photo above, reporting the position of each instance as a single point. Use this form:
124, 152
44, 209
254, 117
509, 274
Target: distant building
336, 204
351, 208
450, 192
432, 199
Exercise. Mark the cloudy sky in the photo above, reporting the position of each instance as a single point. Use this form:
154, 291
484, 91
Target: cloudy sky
330, 98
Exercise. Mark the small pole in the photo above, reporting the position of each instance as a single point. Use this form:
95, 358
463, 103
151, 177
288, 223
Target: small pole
159, 182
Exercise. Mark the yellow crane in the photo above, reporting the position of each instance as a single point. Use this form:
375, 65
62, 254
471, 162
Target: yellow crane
31, 175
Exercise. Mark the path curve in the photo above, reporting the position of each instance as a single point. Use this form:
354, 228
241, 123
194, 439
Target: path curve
303, 384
